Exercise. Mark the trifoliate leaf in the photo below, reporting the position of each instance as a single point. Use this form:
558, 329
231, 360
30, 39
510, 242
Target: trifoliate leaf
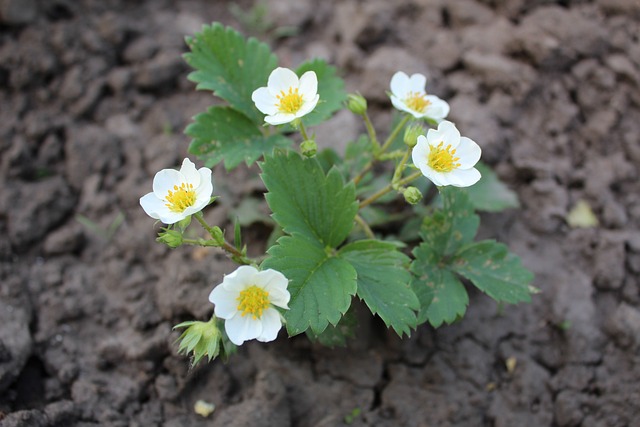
442, 296
304, 200
321, 285
330, 89
230, 66
222, 133
384, 282
495, 271
453, 226
490, 194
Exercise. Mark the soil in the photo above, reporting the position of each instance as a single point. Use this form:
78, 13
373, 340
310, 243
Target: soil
94, 98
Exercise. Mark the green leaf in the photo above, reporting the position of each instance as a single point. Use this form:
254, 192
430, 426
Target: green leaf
230, 66
495, 271
490, 194
304, 200
384, 282
222, 133
330, 89
442, 296
321, 285
452, 227
336, 336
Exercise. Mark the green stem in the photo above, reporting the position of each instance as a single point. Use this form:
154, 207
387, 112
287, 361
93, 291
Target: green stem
200, 242
394, 134
303, 131
365, 227
400, 168
235, 254
372, 133
388, 188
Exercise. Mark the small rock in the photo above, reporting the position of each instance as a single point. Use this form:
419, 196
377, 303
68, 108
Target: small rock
500, 71
624, 325
37, 208
161, 71
469, 12
67, 239
382, 65
567, 409
140, 50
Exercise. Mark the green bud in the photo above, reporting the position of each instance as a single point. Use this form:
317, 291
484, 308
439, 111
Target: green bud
411, 134
184, 223
357, 104
309, 148
412, 195
201, 339
171, 238
217, 235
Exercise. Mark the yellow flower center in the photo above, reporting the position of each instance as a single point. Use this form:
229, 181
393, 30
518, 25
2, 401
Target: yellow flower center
290, 102
441, 159
181, 197
253, 301
416, 101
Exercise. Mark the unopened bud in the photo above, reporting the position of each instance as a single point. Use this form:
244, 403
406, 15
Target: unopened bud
217, 235
309, 148
412, 195
200, 338
357, 104
411, 134
171, 238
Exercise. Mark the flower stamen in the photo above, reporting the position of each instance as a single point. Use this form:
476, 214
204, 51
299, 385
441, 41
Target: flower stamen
442, 159
253, 300
290, 102
181, 197
417, 101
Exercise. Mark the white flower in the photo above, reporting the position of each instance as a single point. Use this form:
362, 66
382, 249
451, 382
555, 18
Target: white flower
446, 158
286, 98
178, 194
407, 94
246, 300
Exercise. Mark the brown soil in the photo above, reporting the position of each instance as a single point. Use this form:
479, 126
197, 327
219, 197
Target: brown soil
93, 101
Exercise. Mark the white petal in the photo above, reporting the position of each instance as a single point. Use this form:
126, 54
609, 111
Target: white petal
164, 181
399, 104
205, 187
243, 277
420, 152
437, 109
152, 205
463, 177
225, 301
242, 328
400, 85
265, 101
448, 134
309, 85
279, 119
190, 173
275, 283
417, 83
169, 217
281, 79
469, 153
438, 178
271, 324
308, 106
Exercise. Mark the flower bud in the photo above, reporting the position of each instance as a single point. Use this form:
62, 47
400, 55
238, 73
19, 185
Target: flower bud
171, 238
217, 235
357, 104
412, 195
309, 148
201, 339
411, 134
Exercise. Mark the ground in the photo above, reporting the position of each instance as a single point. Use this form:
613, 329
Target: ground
94, 98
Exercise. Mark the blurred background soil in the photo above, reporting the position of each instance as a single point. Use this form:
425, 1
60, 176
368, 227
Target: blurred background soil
93, 101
